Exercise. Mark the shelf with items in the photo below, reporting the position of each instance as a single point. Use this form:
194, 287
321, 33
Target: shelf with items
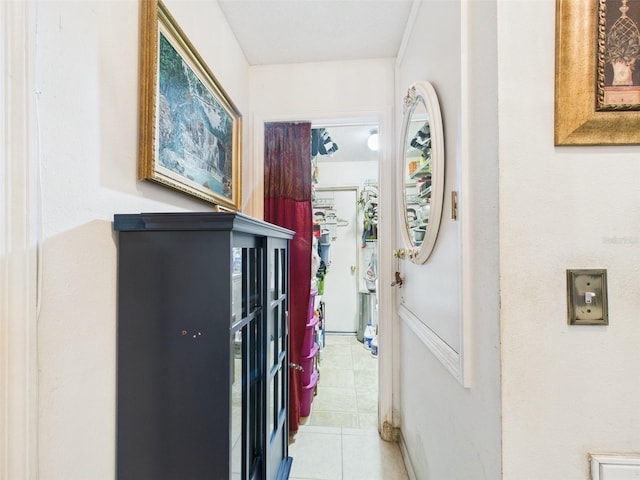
418, 210
418, 194
309, 361
320, 330
425, 192
308, 392
422, 169
368, 205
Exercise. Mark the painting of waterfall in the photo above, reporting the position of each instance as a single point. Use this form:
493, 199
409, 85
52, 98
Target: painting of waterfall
193, 127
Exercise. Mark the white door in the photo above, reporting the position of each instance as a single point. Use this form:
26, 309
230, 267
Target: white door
341, 281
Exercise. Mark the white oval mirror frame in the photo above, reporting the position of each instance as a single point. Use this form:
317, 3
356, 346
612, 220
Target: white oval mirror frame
421, 171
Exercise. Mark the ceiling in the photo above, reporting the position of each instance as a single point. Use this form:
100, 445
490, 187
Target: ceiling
301, 31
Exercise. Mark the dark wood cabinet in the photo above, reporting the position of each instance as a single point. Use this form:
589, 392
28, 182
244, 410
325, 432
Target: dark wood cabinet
202, 375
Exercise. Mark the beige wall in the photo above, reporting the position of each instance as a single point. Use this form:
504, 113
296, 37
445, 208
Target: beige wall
328, 92
567, 390
86, 70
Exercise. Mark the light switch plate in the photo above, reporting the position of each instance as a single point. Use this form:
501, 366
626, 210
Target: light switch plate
587, 297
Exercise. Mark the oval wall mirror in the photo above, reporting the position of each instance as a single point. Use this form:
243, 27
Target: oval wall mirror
421, 171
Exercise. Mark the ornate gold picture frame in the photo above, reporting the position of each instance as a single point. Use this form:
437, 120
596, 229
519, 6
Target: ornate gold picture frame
189, 129
585, 113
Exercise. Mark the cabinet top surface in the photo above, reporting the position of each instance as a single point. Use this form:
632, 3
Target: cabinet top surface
217, 221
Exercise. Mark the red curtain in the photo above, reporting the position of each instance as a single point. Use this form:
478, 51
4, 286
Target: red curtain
287, 202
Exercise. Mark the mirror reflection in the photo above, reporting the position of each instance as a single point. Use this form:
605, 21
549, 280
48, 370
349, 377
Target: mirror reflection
418, 173
422, 170
236, 404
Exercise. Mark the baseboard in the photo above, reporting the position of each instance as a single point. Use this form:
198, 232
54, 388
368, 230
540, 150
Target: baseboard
405, 457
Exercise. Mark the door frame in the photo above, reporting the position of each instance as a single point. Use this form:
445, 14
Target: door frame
388, 328
356, 189
20, 244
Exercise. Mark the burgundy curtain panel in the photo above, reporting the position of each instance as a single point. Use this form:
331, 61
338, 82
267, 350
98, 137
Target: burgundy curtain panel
287, 202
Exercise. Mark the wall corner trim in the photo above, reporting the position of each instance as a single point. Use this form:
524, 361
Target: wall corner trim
19, 240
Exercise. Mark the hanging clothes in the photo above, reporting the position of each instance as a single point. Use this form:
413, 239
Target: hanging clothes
321, 143
422, 139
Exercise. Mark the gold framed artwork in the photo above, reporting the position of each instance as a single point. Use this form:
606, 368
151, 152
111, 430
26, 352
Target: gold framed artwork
597, 84
189, 129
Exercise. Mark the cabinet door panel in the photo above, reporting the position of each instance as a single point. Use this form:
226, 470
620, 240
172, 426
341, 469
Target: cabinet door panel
277, 378
168, 394
238, 404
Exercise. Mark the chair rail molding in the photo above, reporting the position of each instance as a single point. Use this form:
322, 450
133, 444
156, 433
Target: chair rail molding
452, 360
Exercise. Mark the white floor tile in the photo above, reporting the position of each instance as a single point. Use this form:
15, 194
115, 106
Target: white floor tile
316, 456
340, 439
319, 429
366, 457
334, 360
368, 420
370, 431
335, 399
332, 339
337, 377
334, 419
367, 403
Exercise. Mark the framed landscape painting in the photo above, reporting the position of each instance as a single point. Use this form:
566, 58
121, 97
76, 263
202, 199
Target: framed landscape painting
190, 130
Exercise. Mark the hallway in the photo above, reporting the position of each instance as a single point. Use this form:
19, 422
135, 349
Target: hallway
339, 439
335, 453
347, 393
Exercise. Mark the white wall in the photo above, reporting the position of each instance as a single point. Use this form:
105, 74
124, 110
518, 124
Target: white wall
334, 93
567, 390
449, 431
346, 173
319, 92
87, 84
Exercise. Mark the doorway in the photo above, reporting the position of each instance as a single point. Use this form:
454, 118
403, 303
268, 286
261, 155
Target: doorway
345, 220
354, 164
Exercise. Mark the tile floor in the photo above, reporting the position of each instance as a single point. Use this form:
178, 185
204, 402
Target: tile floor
347, 394
339, 439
